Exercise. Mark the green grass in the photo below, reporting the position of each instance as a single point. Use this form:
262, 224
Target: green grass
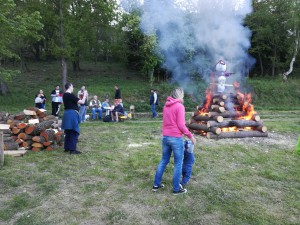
240, 181
235, 181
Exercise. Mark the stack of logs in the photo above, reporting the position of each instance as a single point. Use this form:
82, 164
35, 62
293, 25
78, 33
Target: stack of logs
223, 116
31, 129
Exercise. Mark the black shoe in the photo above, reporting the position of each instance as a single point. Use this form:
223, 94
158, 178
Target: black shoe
155, 188
66, 150
75, 152
181, 191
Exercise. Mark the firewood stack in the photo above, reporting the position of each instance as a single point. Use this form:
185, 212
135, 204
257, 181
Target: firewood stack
227, 116
31, 129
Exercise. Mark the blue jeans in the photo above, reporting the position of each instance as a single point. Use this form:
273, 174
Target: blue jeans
82, 112
169, 145
96, 110
187, 167
153, 109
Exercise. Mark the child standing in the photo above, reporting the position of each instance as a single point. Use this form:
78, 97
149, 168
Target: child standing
188, 162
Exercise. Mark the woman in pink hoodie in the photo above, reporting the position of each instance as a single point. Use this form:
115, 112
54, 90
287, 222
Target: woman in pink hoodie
172, 141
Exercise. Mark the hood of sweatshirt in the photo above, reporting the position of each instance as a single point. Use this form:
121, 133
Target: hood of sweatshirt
171, 101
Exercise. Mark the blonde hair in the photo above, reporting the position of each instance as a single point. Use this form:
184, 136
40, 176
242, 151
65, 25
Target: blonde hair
178, 93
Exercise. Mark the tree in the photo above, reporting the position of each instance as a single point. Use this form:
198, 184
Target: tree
270, 40
18, 28
294, 36
141, 48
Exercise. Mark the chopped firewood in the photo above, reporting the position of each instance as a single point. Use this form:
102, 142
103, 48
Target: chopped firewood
236, 134
33, 121
47, 143
39, 139
4, 126
27, 144
24, 136
16, 130
206, 118
48, 134
59, 136
52, 147
15, 153
19, 141
29, 112
36, 149
37, 145
236, 123
22, 125
11, 145
261, 128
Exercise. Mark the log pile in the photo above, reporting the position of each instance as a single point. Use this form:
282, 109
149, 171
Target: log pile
31, 129
227, 116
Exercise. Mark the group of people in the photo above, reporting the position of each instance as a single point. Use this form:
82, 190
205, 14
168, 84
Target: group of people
72, 116
95, 105
173, 128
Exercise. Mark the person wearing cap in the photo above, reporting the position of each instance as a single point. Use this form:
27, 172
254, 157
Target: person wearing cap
172, 141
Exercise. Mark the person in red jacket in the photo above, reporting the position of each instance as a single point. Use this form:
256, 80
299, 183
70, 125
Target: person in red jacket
172, 141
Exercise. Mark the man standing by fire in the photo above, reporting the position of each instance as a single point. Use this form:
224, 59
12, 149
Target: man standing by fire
172, 141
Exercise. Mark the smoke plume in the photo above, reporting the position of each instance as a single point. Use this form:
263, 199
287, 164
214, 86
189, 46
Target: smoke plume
193, 35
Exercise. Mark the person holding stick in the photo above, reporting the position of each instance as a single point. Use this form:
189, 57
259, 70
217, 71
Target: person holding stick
71, 118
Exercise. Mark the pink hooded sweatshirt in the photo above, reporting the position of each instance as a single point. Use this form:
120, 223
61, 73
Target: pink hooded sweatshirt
174, 119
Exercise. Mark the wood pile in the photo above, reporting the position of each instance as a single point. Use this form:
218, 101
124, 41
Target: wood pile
31, 129
227, 116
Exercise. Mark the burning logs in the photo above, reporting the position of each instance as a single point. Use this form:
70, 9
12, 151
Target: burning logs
239, 134
232, 116
31, 129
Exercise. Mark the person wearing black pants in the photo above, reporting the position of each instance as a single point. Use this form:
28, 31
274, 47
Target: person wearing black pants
71, 119
56, 96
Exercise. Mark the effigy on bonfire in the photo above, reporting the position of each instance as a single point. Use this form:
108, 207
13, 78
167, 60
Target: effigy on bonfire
226, 114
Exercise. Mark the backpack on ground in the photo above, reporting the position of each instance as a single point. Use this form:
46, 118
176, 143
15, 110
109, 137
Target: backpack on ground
107, 118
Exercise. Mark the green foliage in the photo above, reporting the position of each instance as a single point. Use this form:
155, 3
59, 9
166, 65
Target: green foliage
276, 94
100, 79
274, 25
141, 48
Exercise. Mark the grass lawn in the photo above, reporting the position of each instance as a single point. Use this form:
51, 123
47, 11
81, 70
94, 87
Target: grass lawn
235, 181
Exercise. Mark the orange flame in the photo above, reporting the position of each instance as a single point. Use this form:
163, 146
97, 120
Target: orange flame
208, 97
229, 129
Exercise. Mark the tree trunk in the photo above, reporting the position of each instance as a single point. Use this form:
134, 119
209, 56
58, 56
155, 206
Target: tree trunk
274, 61
3, 88
287, 73
62, 45
261, 64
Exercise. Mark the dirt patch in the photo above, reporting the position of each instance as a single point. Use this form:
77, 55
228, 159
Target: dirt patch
284, 141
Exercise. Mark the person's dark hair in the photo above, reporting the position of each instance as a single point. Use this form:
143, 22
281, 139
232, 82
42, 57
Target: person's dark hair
67, 85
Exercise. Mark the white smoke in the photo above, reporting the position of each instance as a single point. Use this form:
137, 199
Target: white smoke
195, 34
